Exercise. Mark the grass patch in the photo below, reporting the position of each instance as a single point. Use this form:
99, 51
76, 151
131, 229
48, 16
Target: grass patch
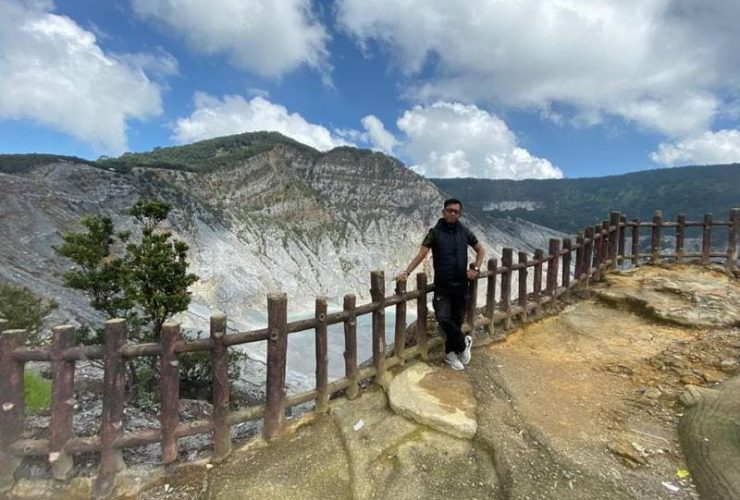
38, 392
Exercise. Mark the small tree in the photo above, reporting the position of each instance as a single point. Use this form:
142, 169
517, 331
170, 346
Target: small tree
23, 310
145, 282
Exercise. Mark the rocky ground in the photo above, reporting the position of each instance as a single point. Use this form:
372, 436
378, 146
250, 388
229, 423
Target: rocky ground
582, 404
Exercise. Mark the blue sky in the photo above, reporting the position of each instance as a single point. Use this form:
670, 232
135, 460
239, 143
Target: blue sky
482, 88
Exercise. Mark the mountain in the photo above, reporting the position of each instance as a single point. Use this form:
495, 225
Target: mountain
569, 205
260, 212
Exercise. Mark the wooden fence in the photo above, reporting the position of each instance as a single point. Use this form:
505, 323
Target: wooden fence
567, 264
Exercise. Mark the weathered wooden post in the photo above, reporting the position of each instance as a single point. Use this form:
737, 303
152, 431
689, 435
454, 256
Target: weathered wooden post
680, 236
580, 251
377, 293
522, 261
491, 293
277, 348
169, 386
422, 333
588, 253
114, 394
622, 236
598, 251
62, 402
12, 403
220, 388
635, 242
655, 237
350, 346
552, 268
732, 238
567, 256
399, 339
472, 302
322, 357
613, 238
606, 244
507, 260
706, 239
539, 258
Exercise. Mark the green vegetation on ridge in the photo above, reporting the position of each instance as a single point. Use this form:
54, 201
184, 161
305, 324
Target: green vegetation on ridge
204, 156
15, 163
569, 205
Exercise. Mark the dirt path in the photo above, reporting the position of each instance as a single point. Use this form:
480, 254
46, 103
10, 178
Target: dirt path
598, 384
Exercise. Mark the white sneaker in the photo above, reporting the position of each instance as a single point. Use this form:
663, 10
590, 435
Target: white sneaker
465, 355
452, 359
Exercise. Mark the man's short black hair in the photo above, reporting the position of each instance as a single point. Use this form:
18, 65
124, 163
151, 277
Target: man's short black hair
453, 201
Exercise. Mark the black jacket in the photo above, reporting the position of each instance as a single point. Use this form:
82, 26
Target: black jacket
449, 244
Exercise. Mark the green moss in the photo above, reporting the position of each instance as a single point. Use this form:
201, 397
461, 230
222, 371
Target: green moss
38, 392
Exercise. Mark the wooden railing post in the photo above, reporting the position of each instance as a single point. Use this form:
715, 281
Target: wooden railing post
552, 267
169, 372
613, 238
220, 388
539, 258
399, 338
655, 237
472, 304
277, 348
377, 293
606, 244
635, 242
491, 293
622, 237
706, 239
568, 248
322, 357
580, 251
12, 403
422, 332
680, 236
588, 253
507, 260
732, 238
350, 346
114, 394
62, 402
522, 277
598, 251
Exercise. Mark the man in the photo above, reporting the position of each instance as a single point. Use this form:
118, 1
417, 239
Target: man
449, 241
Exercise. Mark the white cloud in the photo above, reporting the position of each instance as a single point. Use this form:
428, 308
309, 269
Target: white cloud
233, 114
161, 64
710, 148
664, 65
378, 136
455, 140
269, 38
53, 72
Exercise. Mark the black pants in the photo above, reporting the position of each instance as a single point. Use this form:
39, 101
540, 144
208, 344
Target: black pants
449, 309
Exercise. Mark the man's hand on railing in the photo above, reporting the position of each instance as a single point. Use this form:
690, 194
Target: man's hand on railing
473, 272
402, 276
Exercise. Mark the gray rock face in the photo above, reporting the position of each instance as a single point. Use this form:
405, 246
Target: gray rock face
705, 298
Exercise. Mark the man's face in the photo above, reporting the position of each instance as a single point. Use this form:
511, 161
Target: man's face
451, 213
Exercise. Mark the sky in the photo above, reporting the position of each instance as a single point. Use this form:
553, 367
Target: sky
482, 88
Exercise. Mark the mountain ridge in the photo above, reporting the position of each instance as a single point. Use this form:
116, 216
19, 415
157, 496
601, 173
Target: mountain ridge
569, 205
282, 218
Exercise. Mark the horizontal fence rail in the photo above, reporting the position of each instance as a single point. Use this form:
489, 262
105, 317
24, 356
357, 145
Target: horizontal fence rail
568, 264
